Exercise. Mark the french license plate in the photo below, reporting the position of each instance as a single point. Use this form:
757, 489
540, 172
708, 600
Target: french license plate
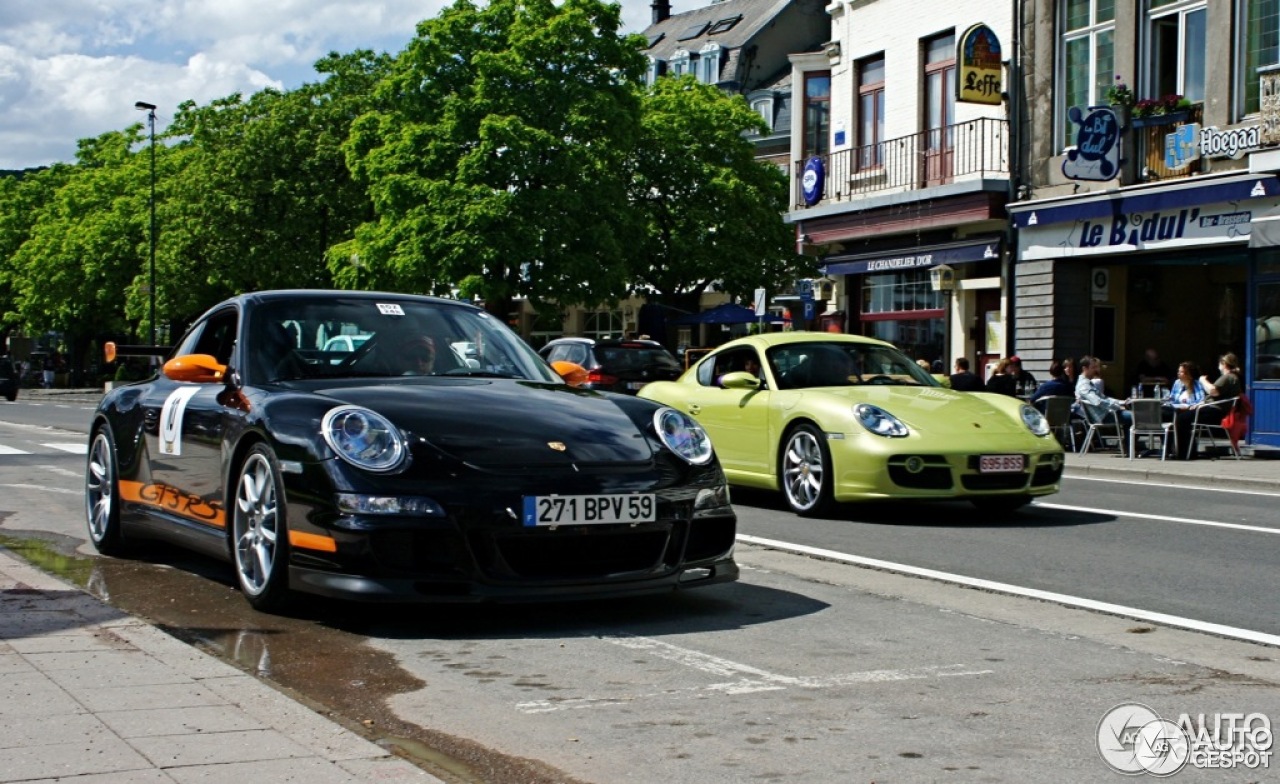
1000, 464
546, 510
636, 384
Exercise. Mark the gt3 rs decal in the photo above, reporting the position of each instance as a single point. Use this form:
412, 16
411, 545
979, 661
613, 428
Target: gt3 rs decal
171, 499
171, 420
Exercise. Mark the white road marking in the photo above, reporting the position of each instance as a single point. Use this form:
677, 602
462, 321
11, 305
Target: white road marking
1152, 483
44, 489
1017, 590
742, 678
1163, 518
8, 450
79, 448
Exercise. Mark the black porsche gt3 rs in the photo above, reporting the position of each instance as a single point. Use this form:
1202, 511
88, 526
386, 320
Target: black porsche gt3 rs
431, 456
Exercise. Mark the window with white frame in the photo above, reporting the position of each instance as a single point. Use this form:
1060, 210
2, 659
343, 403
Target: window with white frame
870, 112
763, 106
709, 64
1175, 48
1087, 67
654, 71
603, 324
679, 63
1258, 47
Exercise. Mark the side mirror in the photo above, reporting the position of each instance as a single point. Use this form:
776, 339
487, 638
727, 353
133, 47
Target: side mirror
198, 368
740, 379
574, 375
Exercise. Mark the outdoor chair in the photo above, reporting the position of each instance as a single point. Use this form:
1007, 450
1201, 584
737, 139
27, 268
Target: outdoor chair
1213, 430
1057, 410
1104, 426
1147, 422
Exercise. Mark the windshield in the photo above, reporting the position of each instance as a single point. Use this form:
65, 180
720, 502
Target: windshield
336, 337
843, 363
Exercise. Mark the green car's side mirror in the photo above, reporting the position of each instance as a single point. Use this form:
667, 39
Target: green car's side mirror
740, 379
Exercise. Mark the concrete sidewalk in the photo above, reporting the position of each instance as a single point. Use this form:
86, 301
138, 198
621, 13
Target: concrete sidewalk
87, 691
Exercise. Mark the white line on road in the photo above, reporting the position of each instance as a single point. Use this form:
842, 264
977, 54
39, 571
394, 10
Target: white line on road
8, 450
44, 489
1163, 518
745, 679
79, 448
1152, 482
1017, 590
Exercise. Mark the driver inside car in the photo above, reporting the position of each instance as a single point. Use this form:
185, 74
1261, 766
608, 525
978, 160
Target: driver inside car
419, 356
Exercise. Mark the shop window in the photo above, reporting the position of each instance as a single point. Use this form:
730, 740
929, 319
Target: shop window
1258, 46
603, 324
1087, 64
1266, 360
899, 292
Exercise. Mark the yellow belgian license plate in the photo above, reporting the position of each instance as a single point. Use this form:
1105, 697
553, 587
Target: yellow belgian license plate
1000, 464
545, 510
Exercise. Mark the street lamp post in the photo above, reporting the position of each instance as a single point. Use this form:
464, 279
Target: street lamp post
150, 109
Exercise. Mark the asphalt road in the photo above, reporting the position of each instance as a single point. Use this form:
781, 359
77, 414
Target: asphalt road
805, 670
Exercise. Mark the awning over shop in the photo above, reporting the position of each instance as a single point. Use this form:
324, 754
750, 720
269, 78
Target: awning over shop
1106, 204
728, 313
1266, 230
914, 258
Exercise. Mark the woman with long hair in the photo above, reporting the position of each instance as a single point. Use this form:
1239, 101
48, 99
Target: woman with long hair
1184, 397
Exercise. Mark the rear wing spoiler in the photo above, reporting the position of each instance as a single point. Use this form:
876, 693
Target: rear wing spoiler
111, 350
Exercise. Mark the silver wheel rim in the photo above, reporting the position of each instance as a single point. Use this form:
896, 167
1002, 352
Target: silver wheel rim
99, 494
803, 470
256, 524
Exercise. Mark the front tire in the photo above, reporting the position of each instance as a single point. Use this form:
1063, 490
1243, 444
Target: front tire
102, 495
805, 472
259, 536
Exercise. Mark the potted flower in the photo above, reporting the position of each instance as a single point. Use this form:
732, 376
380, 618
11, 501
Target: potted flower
1119, 94
1167, 110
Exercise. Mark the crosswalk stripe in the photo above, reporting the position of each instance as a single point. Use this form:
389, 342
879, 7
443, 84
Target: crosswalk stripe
8, 450
75, 448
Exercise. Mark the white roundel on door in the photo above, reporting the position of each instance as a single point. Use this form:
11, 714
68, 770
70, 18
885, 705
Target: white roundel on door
171, 420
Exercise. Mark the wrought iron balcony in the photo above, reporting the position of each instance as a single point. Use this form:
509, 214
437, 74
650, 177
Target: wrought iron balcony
971, 150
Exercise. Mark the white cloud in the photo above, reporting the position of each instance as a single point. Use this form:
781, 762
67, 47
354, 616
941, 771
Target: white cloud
72, 69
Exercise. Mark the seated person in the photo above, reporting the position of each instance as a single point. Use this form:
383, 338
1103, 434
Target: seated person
1187, 393
1055, 386
418, 355
1002, 381
963, 380
1097, 404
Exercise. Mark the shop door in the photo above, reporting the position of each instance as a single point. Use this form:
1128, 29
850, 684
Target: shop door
987, 345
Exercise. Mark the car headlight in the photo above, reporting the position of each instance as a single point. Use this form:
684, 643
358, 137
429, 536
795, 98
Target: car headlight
880, 422
364, 439
682, 435
1035, 421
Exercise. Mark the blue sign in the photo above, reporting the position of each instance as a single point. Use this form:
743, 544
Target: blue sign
811, 181
1180, 147
1096, 156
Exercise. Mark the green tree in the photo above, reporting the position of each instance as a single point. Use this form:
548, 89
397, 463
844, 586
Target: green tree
83, 249
495, 157
711, 211
22, 199
262, 189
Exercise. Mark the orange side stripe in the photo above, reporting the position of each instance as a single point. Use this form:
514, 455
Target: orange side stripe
306, 541
173, 501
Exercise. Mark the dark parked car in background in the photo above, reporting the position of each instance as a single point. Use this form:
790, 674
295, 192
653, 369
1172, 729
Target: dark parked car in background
616, 365
8, 380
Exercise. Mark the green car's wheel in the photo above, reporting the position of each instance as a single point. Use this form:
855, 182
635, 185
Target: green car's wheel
805, 471
102, 496
259, 536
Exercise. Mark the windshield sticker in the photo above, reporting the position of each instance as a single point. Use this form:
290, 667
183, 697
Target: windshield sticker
390, 309
171, 420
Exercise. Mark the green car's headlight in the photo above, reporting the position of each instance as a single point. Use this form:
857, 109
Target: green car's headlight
364, 438
880, 422
1035, 421
682, 435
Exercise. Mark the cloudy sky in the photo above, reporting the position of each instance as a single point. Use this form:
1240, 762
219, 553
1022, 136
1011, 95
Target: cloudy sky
73, 69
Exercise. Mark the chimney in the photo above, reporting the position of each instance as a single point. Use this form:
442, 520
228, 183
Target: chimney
661, 10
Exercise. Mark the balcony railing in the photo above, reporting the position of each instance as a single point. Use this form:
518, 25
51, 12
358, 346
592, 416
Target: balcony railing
970, 150
1152, 140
